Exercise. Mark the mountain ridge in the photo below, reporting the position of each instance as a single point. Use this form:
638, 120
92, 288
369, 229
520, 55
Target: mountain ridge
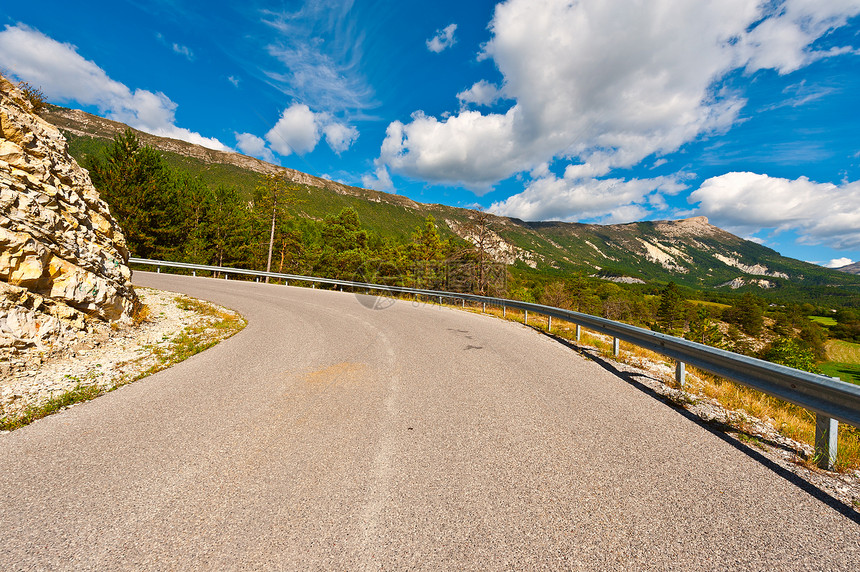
687, 251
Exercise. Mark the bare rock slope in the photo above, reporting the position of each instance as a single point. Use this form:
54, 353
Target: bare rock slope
63, 259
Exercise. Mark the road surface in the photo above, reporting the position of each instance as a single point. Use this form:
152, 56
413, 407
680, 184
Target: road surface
329, 435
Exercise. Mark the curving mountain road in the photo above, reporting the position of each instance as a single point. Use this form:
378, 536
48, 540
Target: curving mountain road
328, 435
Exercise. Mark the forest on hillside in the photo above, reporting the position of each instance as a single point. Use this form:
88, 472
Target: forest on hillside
167, 213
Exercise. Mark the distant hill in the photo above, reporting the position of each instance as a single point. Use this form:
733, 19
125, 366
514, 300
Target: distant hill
691, 252
850, 268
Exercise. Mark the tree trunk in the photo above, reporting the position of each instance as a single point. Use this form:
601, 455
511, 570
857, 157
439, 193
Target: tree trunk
271, 242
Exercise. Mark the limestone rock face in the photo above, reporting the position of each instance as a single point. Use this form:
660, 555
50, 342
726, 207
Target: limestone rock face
58, 241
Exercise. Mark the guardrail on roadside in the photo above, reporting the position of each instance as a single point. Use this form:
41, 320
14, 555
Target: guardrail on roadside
831, 400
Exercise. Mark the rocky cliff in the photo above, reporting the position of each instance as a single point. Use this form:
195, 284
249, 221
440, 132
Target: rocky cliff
62, 256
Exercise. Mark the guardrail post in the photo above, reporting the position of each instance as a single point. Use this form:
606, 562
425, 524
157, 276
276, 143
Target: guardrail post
680, 373
158, 269
578, 332
616, 346
549, 324
526, 317
826, 435
225, 276
194, 273
504, 311
440, 300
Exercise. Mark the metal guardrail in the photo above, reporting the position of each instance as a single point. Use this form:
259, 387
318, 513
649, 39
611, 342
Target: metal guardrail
831, 400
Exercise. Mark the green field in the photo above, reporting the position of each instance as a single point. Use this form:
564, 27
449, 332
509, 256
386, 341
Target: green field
823, 320
711, 304
843, 361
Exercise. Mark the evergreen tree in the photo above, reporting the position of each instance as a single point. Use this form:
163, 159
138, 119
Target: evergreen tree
747, 314
670, 310
230, 228
135, 183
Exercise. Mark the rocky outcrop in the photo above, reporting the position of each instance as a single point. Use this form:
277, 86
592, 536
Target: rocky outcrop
62, 255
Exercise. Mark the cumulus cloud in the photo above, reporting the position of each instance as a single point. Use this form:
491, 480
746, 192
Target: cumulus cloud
64, 76
481, 93
607, 84
839, 262
254, 146
820, 213
782, 40
295, 132
443, 39
380, 180
572, 198
339, 136
299, 130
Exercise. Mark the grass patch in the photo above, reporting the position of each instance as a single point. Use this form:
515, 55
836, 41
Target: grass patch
823, 320
842, 351
194, 339
77, 394
709, 304
849, 372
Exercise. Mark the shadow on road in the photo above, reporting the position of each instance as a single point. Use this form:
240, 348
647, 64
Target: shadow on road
721, 430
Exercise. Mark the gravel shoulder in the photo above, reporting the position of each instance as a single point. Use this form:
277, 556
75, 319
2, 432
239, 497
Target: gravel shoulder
175, 327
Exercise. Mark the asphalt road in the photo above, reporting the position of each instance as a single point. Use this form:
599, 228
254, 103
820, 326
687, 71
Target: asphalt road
328, 435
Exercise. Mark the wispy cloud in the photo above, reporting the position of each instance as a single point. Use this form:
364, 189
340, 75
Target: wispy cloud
801, 94
319, 51
183, 51
234, 80
443, 39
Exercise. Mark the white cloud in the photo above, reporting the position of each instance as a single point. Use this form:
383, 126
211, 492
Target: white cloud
299, 130
183, 51
606, 84
443, 39
234, 80
820, 213
254, 146
571, 198
380, 180
295, 132
839, 262
339, 136
328, 73
783, 40
481, 93
64, 76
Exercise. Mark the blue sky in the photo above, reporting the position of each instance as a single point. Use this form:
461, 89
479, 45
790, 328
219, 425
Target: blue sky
597, 111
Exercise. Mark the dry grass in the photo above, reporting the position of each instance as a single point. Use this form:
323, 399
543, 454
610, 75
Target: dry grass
843, 352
